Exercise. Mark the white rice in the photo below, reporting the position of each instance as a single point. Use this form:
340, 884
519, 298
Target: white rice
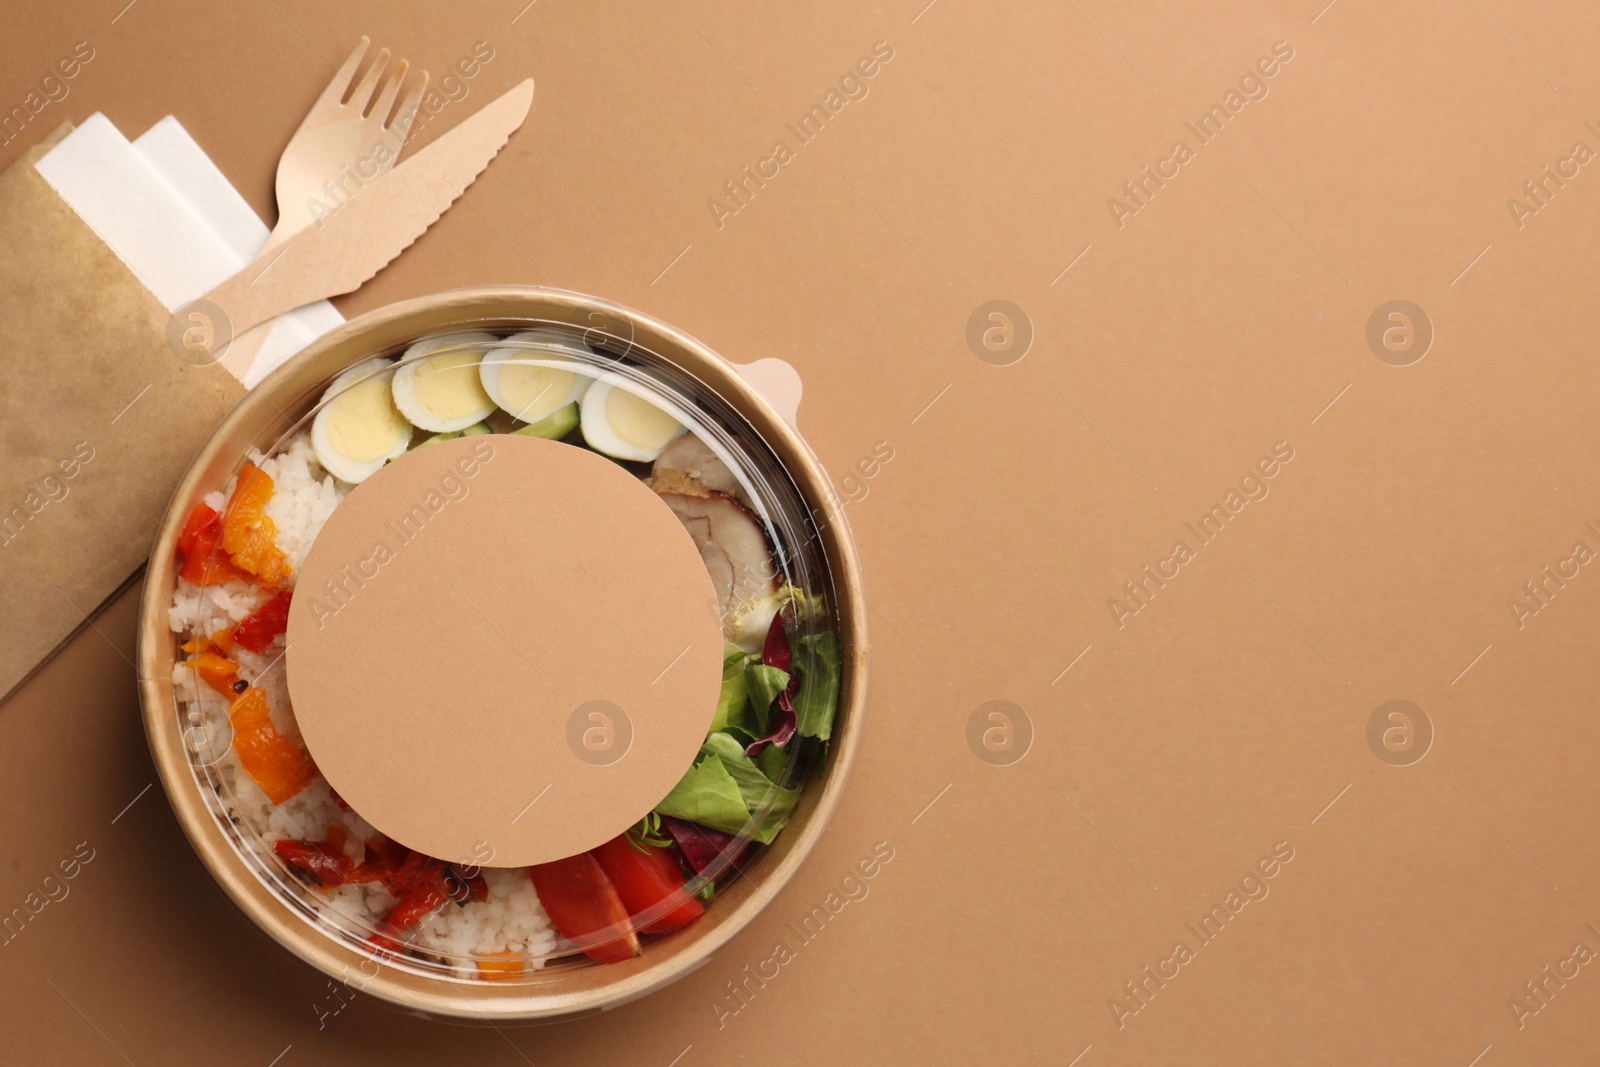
304, 495
512, 918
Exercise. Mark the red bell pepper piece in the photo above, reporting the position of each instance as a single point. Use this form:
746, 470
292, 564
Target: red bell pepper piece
584, 907
199, 517
326, 864
421, 884
422, 887
467, 885
258, 628
318, 860
648, 879
383, 853
415, 906
202, 558
414, 871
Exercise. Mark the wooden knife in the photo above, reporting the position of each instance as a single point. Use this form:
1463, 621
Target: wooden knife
378, 222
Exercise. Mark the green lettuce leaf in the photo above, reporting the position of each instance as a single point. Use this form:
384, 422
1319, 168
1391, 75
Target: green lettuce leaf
734, 659
726, 788
708, 795
817, 701
731, 704
777, 816
773, 761
764, 684
754, 786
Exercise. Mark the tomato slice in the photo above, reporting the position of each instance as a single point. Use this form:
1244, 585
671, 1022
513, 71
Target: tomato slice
649, 881
584, 907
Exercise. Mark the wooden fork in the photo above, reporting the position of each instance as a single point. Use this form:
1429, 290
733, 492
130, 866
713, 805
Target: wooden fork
343, 144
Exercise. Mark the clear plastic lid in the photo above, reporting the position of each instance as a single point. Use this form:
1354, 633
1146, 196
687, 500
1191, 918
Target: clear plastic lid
589, 390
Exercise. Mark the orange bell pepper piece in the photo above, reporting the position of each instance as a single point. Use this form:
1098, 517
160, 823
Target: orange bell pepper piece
501, 966
248, 536
218, 672
279, 766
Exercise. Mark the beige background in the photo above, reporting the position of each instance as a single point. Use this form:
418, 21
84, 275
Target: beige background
1228, 715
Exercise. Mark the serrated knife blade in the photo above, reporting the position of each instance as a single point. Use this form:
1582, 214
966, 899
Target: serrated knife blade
379, 221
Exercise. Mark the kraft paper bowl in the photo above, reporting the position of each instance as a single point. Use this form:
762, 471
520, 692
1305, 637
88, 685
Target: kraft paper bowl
274, 903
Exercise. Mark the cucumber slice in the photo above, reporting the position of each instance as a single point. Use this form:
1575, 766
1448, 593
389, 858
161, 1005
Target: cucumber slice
475, 430
554, 426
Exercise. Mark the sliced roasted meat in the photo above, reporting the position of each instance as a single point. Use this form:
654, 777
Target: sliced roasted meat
689, 458
731, 544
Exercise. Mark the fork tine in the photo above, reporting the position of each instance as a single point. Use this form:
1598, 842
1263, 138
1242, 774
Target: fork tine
389, 90
333, 95
361, 96
407, 112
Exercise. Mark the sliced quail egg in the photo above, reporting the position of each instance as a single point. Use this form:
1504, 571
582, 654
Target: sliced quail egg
442, 393
527, 391
358, 429
624, 425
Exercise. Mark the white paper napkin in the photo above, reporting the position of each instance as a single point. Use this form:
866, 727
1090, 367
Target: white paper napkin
181, 227
165, 209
